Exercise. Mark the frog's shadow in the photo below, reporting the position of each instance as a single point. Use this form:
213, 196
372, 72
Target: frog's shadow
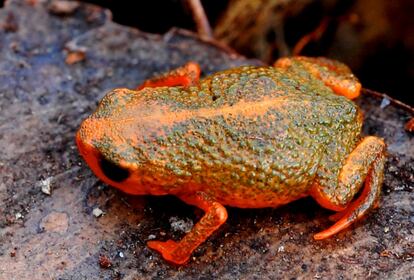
252, 219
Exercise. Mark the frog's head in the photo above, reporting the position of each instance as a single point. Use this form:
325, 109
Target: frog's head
113, 142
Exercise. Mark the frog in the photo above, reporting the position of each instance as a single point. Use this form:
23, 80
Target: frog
246, 137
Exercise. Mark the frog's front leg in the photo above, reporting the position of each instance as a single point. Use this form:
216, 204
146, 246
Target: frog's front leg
215, 215
365, 164
187, 75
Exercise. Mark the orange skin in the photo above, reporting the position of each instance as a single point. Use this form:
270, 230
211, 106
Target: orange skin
148, 142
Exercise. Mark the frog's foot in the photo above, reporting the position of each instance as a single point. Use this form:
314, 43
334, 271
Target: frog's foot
337, 216
180, 252
187, 75
169, 252
334, 74
364, 165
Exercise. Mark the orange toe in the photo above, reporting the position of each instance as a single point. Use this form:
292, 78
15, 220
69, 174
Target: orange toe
162, 246
339, 226
168, 250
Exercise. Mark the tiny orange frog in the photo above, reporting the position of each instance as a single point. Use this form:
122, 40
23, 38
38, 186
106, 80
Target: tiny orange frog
248, 137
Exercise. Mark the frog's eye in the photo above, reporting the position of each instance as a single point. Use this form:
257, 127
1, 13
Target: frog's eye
113, 171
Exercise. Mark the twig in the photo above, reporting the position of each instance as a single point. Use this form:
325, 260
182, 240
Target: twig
200, 18
395, 101
312, 36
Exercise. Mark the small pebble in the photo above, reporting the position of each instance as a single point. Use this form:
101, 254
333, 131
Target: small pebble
121, 255
386, 229
45, 186
75, 57
181, 224
385, 102
18, 216
97, 212
62, 7
409, 126
151, 236
104, 261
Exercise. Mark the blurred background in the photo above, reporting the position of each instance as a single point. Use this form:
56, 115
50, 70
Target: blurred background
374, 37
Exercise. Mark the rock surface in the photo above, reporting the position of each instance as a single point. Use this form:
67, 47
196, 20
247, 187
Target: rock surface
54, 68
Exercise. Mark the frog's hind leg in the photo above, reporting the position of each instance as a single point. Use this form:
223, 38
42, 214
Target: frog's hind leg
186, 75
334, 74
215, 216
364, 165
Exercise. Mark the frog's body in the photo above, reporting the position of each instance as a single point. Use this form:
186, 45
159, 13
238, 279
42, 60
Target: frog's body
248, 137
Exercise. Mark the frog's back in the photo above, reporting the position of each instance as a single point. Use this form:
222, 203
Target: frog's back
254, 137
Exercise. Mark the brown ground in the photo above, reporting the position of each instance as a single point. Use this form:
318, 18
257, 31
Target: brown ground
55, 64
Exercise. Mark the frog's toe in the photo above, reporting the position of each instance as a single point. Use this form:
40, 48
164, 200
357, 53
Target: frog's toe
168, 251
343, 220
337, 216
162, 246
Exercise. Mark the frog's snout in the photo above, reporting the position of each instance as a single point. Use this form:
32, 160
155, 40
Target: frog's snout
100, 165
